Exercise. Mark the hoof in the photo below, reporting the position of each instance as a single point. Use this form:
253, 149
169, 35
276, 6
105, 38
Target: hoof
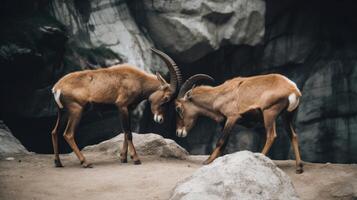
86, 165
206, 162
124, 160
299, 171
58, 163
137, 162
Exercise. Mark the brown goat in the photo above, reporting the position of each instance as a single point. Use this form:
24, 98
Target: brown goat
269, 95
122, 85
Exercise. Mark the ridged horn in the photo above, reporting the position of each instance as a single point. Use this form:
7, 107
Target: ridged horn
191, 81
175, 73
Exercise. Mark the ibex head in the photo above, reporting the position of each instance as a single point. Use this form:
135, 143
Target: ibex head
167, 91
187, 110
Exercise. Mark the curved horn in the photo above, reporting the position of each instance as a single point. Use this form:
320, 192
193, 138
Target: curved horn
175, 74
191, 81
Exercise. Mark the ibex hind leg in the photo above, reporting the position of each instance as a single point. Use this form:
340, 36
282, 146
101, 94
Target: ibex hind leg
74, 116
288, 118
54, 135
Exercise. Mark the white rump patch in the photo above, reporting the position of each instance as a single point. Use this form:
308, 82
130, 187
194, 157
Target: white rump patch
56, 95
293, 102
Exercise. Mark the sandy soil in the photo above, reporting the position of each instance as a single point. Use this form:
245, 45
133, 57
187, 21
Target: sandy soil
34, 177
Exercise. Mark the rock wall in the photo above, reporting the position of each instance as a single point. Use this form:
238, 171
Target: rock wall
312, 43
45, 40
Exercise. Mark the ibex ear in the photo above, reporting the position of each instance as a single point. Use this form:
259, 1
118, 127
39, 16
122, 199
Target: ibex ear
160, 78
188, 95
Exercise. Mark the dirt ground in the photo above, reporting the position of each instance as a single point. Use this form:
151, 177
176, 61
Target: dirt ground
33, 177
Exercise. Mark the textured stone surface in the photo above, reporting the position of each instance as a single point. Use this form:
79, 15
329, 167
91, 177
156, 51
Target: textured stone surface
192, 29
107, 24
242, 175
145, 144
9, 145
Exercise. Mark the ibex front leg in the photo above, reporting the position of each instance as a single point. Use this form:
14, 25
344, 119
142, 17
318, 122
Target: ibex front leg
222, 140
128, 138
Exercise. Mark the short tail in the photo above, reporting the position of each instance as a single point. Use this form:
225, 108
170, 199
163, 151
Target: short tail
56, 95
293, 102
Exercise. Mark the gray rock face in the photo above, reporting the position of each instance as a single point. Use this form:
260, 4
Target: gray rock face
107, 24
192, 29
9, 145
145, 144
64, 36
242, 175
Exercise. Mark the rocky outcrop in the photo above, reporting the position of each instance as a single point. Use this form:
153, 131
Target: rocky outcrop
145, 144
45, 40
192, 29
9, 145
242, 175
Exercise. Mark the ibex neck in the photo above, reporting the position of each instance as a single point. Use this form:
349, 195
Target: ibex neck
204, 97
150, 85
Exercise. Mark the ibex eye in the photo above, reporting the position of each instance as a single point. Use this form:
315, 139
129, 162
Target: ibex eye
164, 100
179, 111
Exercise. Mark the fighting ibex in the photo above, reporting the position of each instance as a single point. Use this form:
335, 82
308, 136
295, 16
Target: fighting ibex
270, 95
122, 85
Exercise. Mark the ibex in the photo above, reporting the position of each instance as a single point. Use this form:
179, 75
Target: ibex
122, 85
269, 95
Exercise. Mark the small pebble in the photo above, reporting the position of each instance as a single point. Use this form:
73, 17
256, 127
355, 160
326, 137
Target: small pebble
10, 158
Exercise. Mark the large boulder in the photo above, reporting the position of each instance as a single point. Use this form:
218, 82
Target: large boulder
9, 145
145, 144
242, 175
